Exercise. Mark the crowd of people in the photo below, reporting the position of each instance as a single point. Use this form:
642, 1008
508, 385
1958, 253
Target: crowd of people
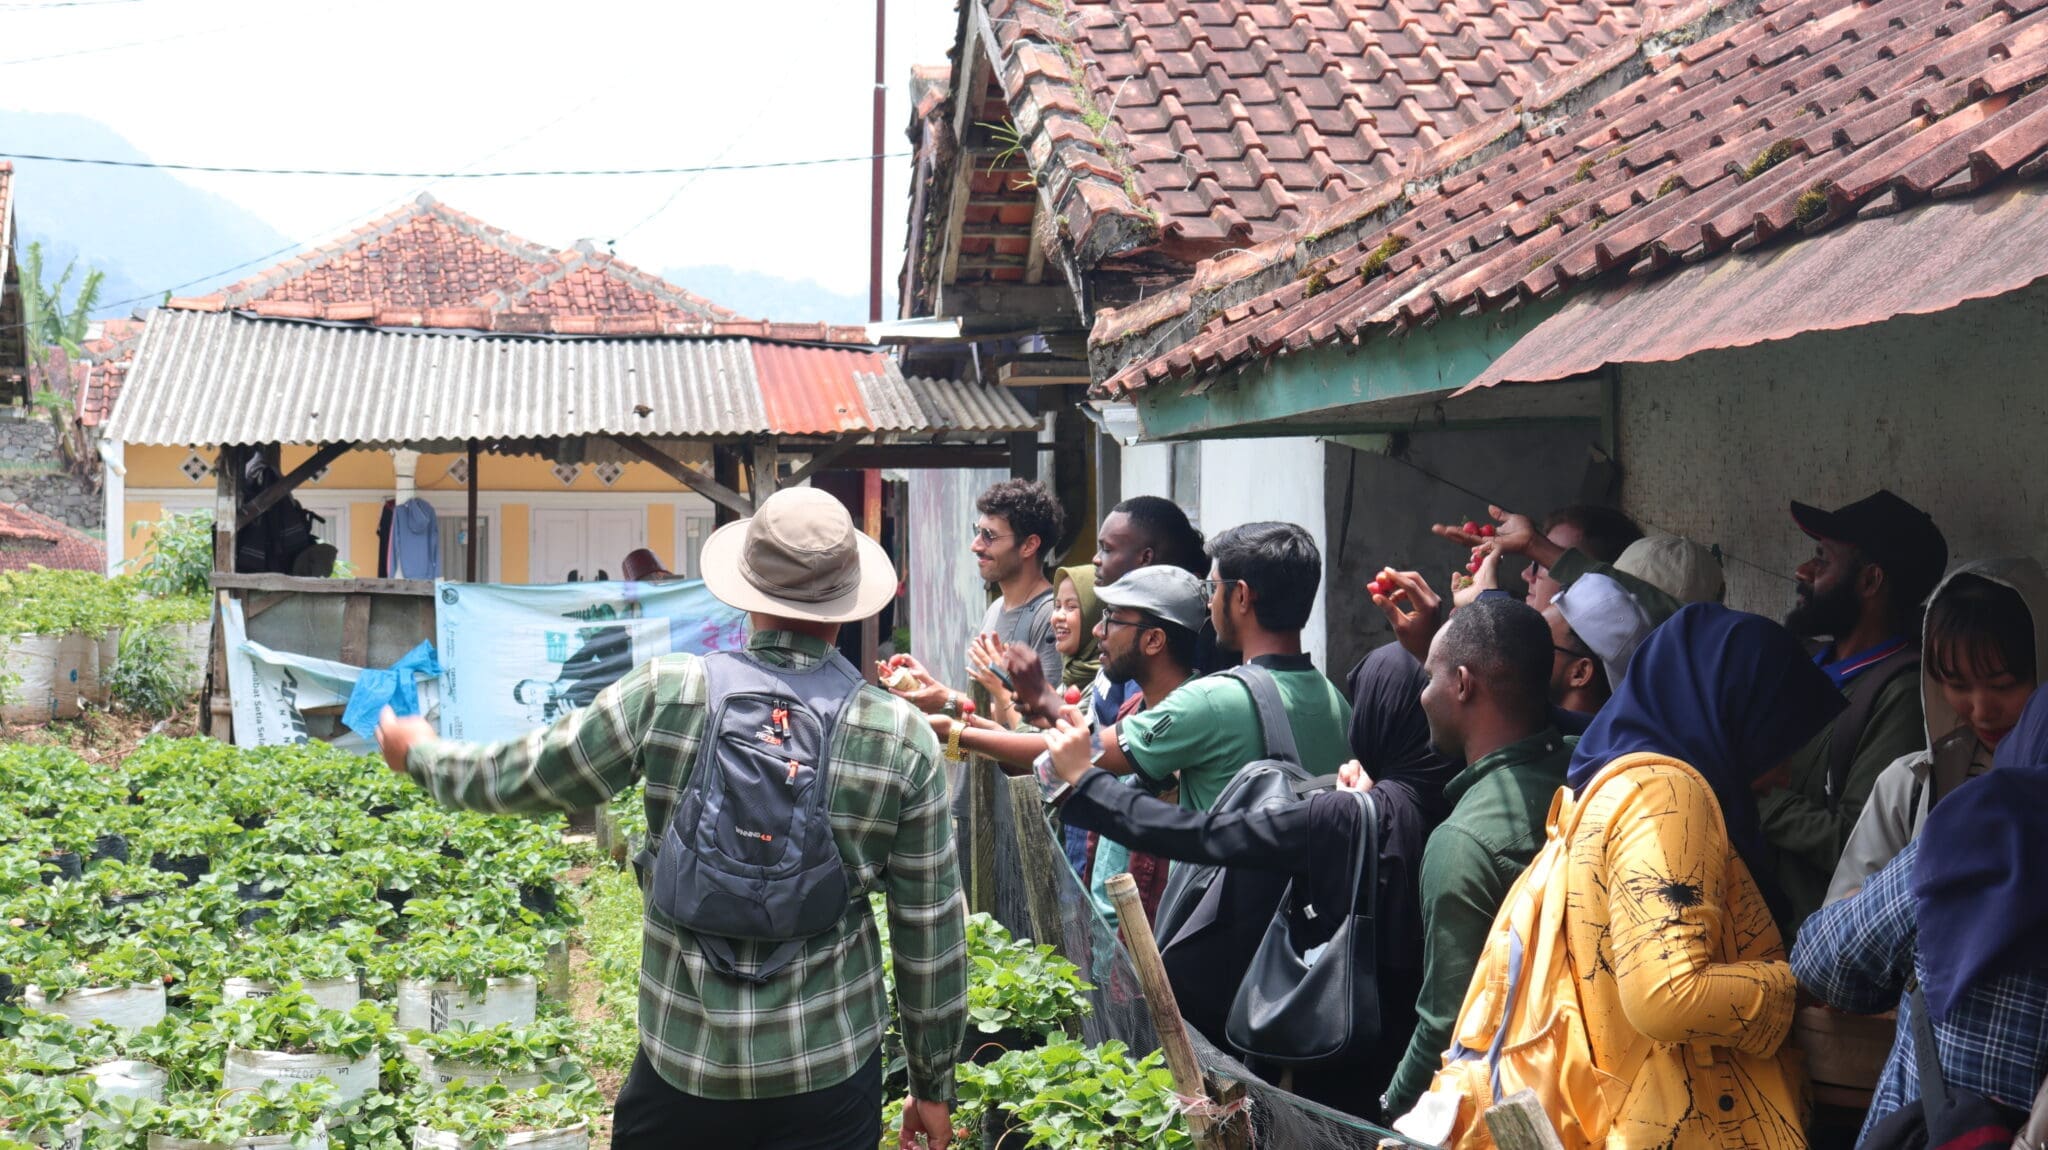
1623, 832
1604, 841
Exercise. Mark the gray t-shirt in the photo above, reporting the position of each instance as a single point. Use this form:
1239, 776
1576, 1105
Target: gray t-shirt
1030, 625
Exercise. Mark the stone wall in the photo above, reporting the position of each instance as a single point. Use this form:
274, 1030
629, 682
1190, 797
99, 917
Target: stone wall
31, 473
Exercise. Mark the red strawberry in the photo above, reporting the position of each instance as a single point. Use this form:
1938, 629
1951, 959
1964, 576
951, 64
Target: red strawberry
967, 707
1073, 696
1377, 587
1486, 531
1471, 527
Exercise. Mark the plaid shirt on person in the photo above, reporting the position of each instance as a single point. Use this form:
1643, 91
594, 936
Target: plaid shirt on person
817, 1022
1861, 954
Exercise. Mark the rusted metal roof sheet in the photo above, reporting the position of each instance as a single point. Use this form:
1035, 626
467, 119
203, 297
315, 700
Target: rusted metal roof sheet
221, 377
1926, 260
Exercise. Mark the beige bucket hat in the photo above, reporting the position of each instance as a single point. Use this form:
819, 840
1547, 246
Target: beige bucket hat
799, 557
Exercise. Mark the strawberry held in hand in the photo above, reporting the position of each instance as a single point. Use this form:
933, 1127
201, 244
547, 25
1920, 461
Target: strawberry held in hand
1073, 695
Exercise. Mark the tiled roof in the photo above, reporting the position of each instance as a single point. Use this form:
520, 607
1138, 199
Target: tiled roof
106, 362
1229, 122
1802, 116
31, 539
428, 255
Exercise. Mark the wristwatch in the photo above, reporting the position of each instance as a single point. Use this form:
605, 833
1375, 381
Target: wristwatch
952, 705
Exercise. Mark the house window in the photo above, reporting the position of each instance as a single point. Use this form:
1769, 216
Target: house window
696, 529
455, 544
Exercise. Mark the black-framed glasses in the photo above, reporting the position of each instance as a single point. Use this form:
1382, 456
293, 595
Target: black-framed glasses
1570, 653
988, 535
1211, 586
1141, 624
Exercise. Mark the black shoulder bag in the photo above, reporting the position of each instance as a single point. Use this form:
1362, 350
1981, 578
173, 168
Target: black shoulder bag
1289, 1010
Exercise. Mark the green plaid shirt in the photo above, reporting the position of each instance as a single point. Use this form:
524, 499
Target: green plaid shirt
815, 1023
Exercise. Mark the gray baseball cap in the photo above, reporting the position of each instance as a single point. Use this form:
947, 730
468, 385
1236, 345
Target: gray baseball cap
1169, 593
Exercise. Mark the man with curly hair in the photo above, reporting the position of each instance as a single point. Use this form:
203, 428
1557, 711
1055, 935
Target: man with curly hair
1014, 539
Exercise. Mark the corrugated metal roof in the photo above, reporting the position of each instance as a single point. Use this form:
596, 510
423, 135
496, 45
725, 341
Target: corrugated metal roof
1929, 259
948, 406
216, 377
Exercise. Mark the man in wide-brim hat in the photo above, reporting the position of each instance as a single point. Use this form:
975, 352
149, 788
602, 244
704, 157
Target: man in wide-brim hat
794, 1060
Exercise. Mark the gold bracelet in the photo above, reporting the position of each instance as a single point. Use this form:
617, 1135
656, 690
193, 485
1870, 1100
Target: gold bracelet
953, 752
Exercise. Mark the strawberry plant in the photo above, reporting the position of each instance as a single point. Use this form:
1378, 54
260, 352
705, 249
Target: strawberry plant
33, 1108
1077, 1097
506, 1046
484, 1117
296, 1111
1018, 985
290, 1022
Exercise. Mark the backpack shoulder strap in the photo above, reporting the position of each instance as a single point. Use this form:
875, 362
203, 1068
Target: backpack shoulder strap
1274, 724
1933, 1088
825, 688
1848, 726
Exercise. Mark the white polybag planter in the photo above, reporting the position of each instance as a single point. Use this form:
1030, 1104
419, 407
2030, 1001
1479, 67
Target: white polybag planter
250, 1069
330, 993
128, 1008
195, 642
431, 1006
260, 1142
441, 1073
32, 659
575, 1137
106, 652
70, 1138
75, 654
127, 1078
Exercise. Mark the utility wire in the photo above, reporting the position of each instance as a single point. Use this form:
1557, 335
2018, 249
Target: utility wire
357, 173
49, 4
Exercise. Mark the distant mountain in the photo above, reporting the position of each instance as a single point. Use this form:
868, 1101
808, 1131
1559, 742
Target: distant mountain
147, 230
757, 295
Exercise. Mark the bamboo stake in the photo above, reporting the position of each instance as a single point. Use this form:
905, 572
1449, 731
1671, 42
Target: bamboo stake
1159, 999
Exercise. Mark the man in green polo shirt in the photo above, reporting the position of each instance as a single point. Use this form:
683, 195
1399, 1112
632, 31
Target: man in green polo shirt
1488, 703
1262, 583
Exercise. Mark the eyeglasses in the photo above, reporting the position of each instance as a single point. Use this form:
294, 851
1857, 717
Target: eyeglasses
1141, 624
988, 535
1211, 586
1570, 653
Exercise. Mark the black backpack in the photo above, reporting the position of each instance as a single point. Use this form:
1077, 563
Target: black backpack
748, 853
1211, 919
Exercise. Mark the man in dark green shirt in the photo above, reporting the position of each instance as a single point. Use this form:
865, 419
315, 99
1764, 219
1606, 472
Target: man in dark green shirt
1488, 702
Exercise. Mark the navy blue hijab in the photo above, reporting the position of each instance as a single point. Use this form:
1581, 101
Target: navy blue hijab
1729, 694
1982, 858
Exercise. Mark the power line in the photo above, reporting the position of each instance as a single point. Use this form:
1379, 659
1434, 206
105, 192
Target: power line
357, 173
47, 4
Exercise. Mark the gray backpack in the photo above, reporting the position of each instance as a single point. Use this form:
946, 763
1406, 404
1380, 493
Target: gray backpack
748, 853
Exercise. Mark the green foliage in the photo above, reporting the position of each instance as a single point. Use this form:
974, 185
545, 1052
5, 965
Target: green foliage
1075, 1097
485, 1116
297, 1111
290, 1022
611, 933
50, 320
32, 1106
52, 1044
507, 1046
180, 557
149, 673
1019, 985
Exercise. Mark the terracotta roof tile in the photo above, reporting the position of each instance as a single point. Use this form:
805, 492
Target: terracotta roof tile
31, 539
428, 256
1305, 101
1806, 113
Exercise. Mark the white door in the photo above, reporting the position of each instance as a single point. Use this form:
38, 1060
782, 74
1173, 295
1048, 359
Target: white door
613, 532
581, 544
558, 536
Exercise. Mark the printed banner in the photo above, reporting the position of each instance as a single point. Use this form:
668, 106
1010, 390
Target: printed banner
275, 692
517, 657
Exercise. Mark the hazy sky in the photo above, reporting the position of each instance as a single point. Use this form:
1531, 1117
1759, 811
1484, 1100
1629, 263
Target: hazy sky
440, 85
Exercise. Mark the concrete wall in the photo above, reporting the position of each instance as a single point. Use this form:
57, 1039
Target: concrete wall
1947, 410
1393, 502
947, 596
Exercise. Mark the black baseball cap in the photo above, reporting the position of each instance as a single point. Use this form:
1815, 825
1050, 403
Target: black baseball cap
1891, 532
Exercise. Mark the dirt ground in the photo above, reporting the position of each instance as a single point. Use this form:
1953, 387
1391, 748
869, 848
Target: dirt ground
104, 737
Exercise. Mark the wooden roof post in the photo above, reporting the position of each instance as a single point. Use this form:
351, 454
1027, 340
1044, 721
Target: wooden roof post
469, 529
764, 455
871, 522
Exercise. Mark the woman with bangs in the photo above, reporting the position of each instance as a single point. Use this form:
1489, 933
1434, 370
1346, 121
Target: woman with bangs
1986, 625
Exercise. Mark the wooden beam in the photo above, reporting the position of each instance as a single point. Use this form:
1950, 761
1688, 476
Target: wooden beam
309, 585
226, 505
763, 457
687, 475
823, 458
1024, 455
1518, 1122
726, 469
1159, 999
1043, 372
355, 630
1034, 257
469, 527
269, 497
919, 457
1012, 302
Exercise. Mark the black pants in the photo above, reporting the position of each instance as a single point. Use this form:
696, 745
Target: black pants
652, 1115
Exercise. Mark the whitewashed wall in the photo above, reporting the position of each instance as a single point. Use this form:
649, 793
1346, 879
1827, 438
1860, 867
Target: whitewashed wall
1950, 411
